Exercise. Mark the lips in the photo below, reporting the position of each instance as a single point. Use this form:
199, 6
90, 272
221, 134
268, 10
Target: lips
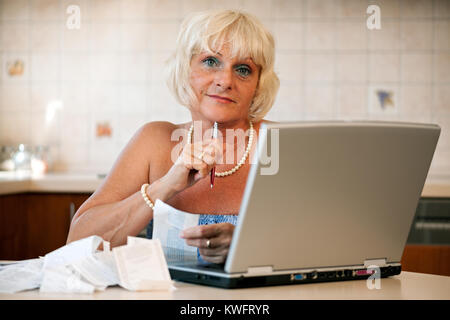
220, 98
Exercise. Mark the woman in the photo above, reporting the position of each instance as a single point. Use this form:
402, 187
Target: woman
222, 70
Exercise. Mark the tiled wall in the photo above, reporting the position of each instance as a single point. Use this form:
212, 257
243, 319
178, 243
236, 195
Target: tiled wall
110, 70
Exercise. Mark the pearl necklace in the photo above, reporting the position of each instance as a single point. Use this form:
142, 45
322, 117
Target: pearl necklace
244, 157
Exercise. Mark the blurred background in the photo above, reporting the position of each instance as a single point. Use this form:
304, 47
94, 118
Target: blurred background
81, 91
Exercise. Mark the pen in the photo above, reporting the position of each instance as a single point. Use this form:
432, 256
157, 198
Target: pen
213, 171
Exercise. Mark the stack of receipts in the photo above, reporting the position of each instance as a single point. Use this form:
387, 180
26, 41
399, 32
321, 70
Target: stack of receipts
79, 267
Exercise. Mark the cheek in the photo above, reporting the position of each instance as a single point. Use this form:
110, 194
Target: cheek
198, 82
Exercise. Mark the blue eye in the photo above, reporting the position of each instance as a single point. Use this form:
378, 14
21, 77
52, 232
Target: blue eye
244, 70
210, 62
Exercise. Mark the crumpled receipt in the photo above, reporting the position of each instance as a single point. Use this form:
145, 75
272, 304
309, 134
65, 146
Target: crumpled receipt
79, 267
168, 223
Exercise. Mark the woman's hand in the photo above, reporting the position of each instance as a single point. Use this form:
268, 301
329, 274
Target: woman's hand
193, 164
218, 236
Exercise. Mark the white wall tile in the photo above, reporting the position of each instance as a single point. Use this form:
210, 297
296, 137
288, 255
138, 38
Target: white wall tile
14, 10
45, 10
319, 68
442, 35
351, 101
157, 67
103, 98
75, 97
351, 8
442, 98
104, 67
441, 9
260, 8
320, 100
14, 127
351, 67
288, 35
72, 155
416, 9
289, 67
45, 67
351, 35
104, 10
384, 67
416, 100
442, 67
387, 38
134, 9
133, 37
289, 9
416, 35
15, 97
134, 67
190, 6
75, 67
45, 36
74, 128
45, 128
389, 8
133, 99
320, 35
160, 9
15, 37
163, 36
416, 67
76, 39
42, 94
320, 9
104, 37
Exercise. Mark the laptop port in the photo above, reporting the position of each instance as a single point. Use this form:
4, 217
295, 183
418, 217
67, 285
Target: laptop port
299, 277
348, 273
313, 275
331, 274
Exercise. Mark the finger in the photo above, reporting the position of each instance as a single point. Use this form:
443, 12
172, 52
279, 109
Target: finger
214, 259
214, 243
213, 252
203, 231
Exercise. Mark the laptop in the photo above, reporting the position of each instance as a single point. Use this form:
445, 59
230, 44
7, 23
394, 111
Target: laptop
324, 201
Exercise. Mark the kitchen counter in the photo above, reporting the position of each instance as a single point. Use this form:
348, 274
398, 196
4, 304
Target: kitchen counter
12, 182
16, 182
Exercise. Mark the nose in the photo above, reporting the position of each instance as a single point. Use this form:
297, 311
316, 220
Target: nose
224, 79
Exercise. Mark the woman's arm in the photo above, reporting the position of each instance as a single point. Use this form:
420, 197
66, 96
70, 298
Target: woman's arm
117, 209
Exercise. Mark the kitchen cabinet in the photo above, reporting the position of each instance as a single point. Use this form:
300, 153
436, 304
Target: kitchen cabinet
432, 259
33, 224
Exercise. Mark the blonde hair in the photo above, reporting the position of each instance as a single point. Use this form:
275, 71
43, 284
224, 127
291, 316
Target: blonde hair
246, 36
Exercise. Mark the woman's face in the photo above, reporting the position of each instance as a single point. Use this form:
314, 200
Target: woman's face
224, 85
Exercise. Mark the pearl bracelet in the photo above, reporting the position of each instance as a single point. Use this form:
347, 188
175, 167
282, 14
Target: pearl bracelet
144, 195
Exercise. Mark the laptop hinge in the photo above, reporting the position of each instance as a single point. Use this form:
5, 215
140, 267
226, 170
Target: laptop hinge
380, 262
260, 270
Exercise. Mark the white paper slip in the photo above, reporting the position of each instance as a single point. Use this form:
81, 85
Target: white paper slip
23, 275
168, 223
72, 252
64, 279
141, 266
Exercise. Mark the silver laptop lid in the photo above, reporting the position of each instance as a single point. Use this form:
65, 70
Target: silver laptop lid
344, 192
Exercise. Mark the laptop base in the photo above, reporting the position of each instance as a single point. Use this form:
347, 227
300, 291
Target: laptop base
225, 281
